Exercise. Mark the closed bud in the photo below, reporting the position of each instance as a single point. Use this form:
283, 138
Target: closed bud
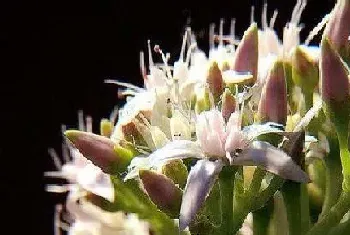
334, 75
246, 56
337, 29
304, 70
228, 104
162, 191
106, 128
273, 102
334, 84
214, 80
96, 148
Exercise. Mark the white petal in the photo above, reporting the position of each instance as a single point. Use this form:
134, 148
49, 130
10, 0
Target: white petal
199, 183
180, 126
272, 159
255, 130
178, 149
93, 179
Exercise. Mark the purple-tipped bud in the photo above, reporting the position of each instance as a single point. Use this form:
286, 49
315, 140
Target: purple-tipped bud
215, 81
337, 29
96, 148
273, 102
162, 191
304, 70
228, 104
246, 56
334, 78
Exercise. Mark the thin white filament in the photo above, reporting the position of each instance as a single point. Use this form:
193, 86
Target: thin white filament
317, 29
81, 123
56, 160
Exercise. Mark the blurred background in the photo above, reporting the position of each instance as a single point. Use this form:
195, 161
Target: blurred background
55, 57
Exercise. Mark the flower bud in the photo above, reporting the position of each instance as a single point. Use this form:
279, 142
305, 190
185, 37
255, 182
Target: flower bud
162, 191
228, 104
334, 86
334, 76
246, 56
98, 149
337, 29
273, 102
304, 70
214, 80
106, 128
176, 171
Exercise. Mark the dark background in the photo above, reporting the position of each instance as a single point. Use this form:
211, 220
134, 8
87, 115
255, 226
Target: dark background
55, 56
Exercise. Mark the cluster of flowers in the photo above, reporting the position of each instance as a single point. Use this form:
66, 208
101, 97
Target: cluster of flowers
209, 141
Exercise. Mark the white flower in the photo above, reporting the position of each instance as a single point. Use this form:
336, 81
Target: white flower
225, 144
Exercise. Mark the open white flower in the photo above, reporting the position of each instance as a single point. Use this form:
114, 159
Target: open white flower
219, 144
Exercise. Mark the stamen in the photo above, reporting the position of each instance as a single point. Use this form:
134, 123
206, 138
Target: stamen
300, 11
142, 65
295, 10
233, 29
150, 60
313, 111
189, 52
184, 40
211, 36
317, 29
56, 160
54, 174
264, 17
273, 19
252, 14
65, 150
57, 188
114, 115
57, 220
81, 123
165, 59
88, 121
124, 84
221, 32
189, 37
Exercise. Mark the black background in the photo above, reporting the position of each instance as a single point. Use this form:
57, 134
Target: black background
54, 58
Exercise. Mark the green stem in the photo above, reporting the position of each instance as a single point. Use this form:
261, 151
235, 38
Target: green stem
245, 203
309, 100
342, 228
345, 161
333, 217
333, 177
296, 202
226, 181
255, 185
342, 129
262, 217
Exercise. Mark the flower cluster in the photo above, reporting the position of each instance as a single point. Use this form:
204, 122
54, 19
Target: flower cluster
209, 142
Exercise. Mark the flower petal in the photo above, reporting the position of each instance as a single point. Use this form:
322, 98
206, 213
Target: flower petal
273, 160
178, 149
199, 183
255, 130
94, 180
